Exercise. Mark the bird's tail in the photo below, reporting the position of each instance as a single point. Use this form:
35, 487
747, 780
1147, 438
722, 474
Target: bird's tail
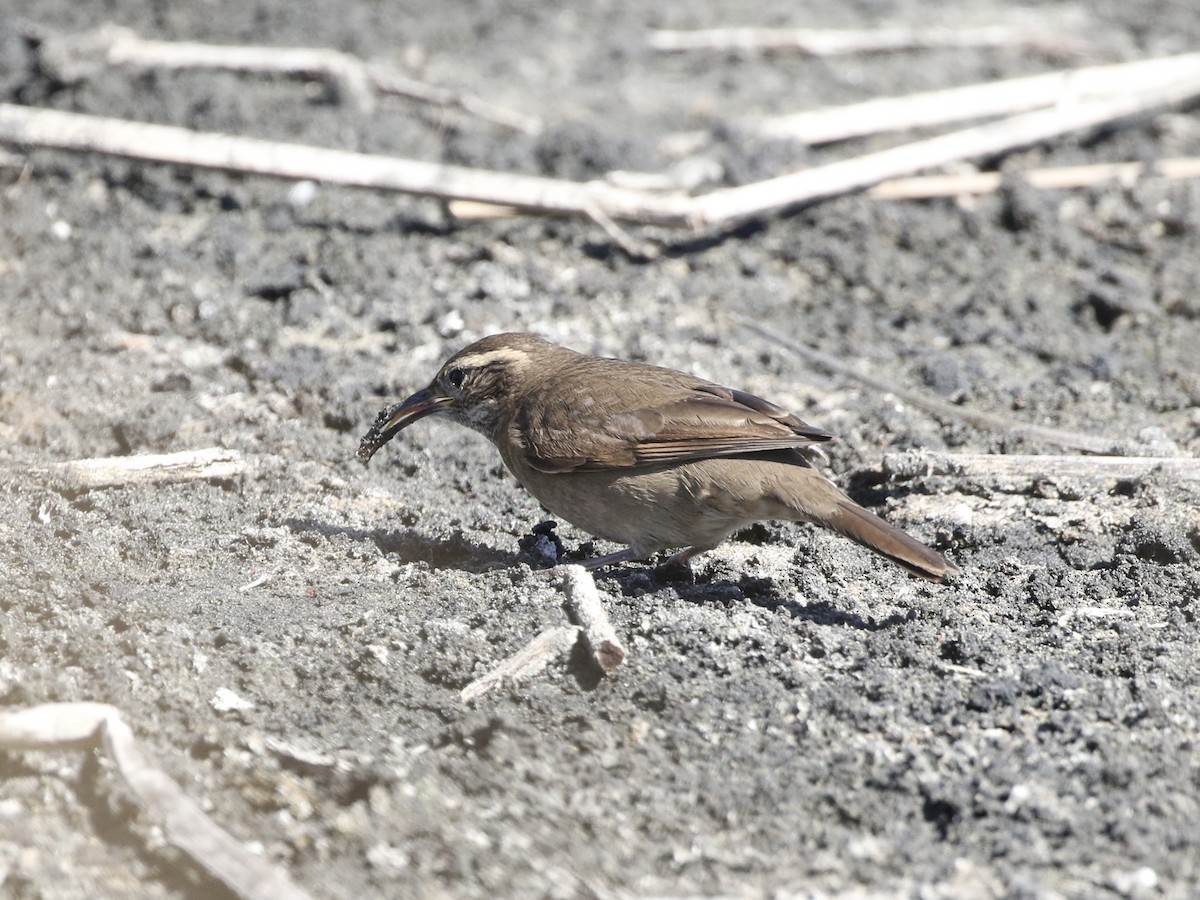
811, 497
866, 528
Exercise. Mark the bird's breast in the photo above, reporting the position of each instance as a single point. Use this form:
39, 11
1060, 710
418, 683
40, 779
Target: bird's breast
653, 508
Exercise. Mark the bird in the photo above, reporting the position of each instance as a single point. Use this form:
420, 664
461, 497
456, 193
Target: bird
641, 455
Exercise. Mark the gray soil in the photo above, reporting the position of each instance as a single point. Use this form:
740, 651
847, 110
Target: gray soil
797, 718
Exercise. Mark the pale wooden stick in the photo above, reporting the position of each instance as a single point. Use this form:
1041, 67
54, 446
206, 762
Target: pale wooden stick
526, 662
736, 204
471, 209
979, 101
180, 146
55, 726
188, 828
349, 75
840, 42
922, 187
726, 207
990, 466
354, 79
621, 237
387, 81
257, 582
211, 463
940, 408
583, 603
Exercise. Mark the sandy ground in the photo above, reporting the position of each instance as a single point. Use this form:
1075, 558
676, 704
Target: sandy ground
797, 719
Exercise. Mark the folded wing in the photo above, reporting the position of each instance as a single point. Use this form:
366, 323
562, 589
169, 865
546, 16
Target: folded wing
653, 423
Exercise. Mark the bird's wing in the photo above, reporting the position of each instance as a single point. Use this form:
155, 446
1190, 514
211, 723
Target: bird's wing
685, 421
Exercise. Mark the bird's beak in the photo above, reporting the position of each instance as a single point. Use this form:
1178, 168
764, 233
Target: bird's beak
393, 419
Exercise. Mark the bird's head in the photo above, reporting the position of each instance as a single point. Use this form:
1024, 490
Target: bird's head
477, 387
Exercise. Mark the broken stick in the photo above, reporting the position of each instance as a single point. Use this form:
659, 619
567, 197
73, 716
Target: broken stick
821, 182
979, 101
721, 208
351, 77
583, 603
840, 42
209, 464
181, 146
1032, 467
526, 662
56, 726
923, 187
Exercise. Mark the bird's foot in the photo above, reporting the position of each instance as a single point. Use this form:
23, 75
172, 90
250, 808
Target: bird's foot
679, 566
684, 557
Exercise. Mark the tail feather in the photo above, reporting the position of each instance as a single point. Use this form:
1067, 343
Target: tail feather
864, 527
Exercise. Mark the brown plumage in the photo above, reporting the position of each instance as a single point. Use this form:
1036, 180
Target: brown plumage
644, 456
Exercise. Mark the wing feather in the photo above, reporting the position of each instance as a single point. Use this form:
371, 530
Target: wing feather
661, 416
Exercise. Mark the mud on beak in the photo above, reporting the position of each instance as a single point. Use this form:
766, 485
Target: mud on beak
395, 418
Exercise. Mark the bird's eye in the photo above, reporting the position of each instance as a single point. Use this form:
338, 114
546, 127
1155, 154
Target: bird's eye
455, 377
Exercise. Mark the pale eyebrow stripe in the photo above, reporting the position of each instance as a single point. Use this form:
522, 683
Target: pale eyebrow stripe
519, 359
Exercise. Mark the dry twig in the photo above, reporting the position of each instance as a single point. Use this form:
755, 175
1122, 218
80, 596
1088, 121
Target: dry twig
180, 146
56, 726
1031, 467
940, 408
841, 42
526, 662
923, 187
1070, 87
347, 75
736, 204
211, 463
720, 208
583, 603
726, 207
926, 187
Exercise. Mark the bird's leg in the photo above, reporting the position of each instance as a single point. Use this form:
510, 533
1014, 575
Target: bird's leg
626, 555
681, 560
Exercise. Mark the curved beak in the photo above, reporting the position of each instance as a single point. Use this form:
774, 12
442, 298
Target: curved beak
393, 419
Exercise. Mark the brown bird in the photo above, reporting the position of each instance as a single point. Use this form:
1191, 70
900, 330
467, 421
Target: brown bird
641, 455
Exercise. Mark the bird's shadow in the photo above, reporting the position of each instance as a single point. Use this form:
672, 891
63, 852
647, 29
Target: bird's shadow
583, 668
453, 551
457, 552
762, 592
